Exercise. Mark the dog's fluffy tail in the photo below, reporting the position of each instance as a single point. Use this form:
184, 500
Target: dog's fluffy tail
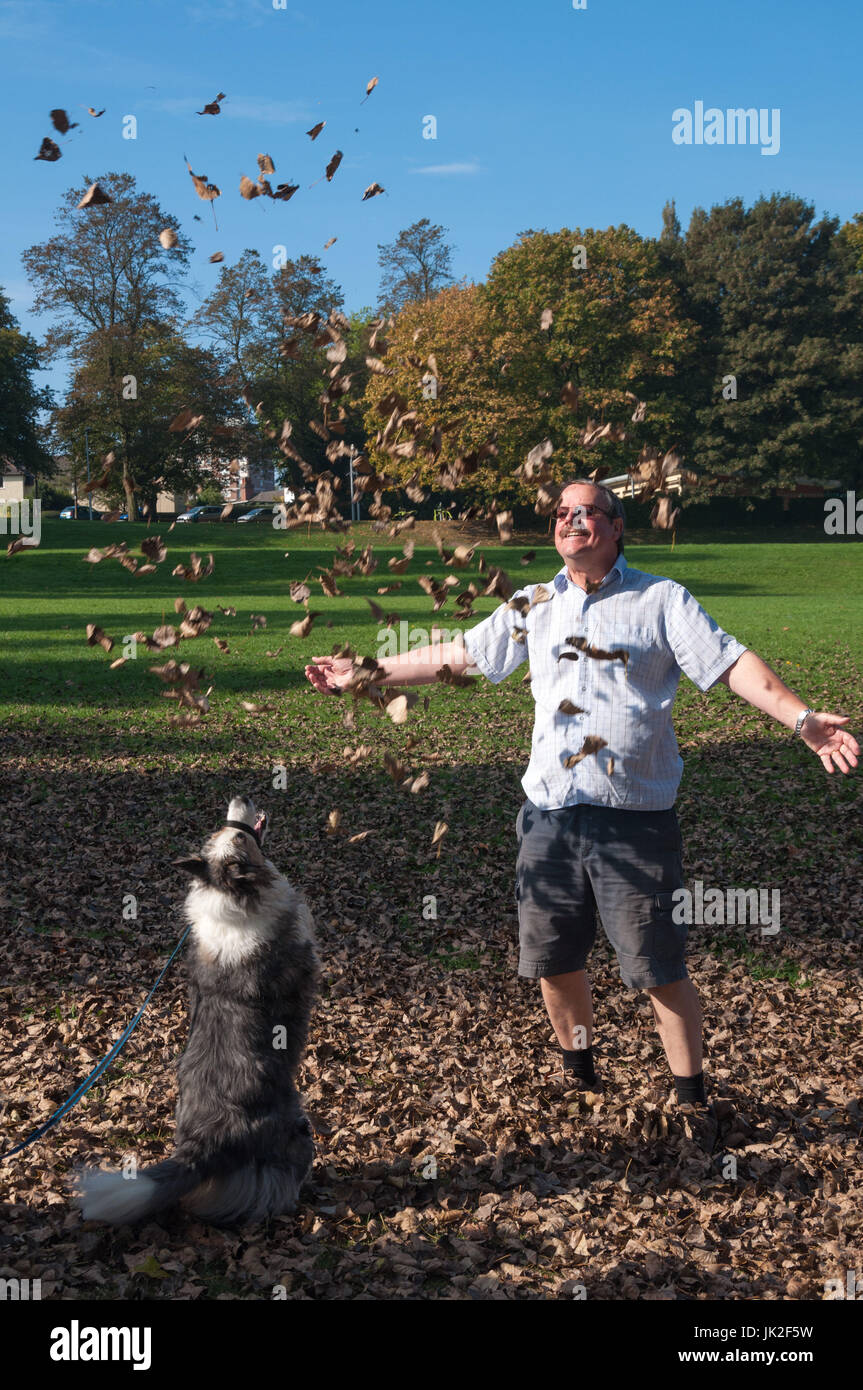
118, 1198
253, 1192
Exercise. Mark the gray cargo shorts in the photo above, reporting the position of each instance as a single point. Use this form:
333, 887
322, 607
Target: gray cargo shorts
582, 860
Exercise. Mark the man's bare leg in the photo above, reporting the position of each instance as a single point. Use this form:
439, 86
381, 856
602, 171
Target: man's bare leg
568, 1001
677, 1011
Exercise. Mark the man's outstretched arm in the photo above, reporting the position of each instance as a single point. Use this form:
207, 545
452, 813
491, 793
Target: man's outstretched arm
754, 681
329, 675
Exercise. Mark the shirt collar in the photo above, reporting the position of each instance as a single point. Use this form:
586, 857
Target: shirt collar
562, 580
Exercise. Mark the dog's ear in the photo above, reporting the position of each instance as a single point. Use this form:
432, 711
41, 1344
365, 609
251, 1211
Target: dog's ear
195, 865
249, 877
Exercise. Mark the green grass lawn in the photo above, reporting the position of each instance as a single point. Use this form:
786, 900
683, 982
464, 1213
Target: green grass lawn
799, 606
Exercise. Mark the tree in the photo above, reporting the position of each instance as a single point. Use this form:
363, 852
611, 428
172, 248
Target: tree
852, 234
464, 398
780, 307
618, 334
234, 316
415, 266
111, 285
20, 398
130, 416
106, 268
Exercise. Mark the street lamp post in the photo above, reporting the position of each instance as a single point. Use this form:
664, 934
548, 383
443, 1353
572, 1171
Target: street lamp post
355, 506
89, 493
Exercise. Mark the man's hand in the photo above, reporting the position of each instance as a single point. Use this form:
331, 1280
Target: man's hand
821, 733
330, 674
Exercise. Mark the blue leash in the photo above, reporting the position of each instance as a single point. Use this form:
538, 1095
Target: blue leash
97, 1071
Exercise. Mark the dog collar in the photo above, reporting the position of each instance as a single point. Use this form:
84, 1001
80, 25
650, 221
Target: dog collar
241, 825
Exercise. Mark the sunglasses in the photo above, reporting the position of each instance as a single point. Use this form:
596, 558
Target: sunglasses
585, 509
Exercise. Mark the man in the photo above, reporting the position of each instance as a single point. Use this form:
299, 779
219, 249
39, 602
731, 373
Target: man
602, 833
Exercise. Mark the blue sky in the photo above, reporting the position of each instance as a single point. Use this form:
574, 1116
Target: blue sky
547, 116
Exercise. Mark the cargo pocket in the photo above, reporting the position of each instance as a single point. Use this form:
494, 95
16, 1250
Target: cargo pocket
668, 935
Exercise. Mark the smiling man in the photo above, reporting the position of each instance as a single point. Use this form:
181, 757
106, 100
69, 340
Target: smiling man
599, 833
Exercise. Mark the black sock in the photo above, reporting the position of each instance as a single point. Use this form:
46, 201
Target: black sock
579, 1061
690, 1089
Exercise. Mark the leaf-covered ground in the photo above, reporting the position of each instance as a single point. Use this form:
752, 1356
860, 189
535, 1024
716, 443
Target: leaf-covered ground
451, 1163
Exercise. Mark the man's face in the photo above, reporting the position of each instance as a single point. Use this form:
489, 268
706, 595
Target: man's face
586, 541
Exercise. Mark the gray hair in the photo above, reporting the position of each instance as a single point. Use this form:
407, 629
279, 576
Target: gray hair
613, 504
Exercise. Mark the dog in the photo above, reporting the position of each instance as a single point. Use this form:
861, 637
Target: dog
243, 1145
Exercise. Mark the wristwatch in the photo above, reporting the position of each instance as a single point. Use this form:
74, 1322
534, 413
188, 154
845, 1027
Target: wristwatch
800, 718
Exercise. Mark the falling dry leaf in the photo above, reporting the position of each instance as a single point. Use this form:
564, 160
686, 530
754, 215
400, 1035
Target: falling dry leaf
168, 238
333, 165
94, 197
316, 130
591, 744
216, 256
96, 635
60, 121
212, 108
328, 244
372, 191
49, 151
207, 191
370, 86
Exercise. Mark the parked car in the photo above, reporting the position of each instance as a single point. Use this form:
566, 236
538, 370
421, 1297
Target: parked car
83, 514
259, 514
79, 513
203, 513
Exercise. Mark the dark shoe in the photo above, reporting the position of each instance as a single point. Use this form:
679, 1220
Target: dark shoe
699, 1123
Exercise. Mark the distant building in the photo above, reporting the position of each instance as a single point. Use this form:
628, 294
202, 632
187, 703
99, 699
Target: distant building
14, 482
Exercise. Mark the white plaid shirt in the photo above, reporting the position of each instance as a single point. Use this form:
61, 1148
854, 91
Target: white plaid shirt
663, 629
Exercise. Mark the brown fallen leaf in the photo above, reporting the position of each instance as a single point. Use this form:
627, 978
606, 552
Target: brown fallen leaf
440, 830
21, 543
370, 86
252, 708
212, 108
95, 636
372, 191
91, 111
333, 165
204, 190
592, 744
94, 197
49, 150
221, 644
546, 319
567, 707
316, 130
216, 257
168, 237
60, 121
265, 164
328, 244
597, 653
185, 420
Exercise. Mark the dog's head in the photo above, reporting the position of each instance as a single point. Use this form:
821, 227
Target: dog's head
232, 859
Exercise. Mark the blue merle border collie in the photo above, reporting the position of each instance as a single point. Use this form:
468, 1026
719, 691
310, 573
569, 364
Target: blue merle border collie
243, 1144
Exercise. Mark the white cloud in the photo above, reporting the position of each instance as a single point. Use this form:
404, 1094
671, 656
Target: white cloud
470, 168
